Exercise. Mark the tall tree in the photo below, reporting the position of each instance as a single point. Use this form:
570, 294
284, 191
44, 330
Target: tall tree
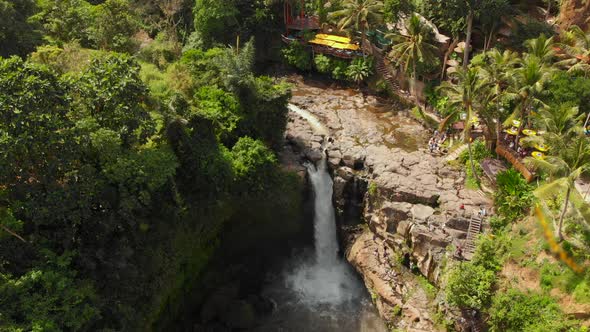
527, 85
413, 47
464, 95
359, 15
570, 159
18, 35
496, 67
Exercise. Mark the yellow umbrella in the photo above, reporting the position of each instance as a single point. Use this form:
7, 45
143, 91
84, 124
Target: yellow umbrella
538, 155
516, 123
529, 132
511, 131
541, 147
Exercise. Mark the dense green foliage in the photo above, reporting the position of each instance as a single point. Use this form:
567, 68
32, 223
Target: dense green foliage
118, 177
470, 286
518, 311
17, 34
297, 55
513, 196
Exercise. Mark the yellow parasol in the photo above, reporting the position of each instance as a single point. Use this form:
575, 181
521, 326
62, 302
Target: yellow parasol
541, 147
511, 131
538, 155
529, 132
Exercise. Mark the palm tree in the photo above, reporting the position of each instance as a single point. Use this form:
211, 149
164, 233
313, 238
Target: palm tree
576, 44
571, 160
528, 82
559, 120
359, 15
495, 70
542, 48
413, 47
464, 96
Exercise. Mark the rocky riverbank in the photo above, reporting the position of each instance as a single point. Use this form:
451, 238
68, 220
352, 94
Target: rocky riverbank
408, 200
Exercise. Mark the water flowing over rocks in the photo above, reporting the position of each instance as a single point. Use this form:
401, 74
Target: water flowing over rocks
410, 201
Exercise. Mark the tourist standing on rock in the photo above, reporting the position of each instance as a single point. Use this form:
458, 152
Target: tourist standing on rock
459, 252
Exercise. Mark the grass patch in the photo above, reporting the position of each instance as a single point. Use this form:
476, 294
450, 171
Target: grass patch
429, 288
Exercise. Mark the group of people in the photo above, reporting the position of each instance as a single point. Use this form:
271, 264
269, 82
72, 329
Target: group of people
520, 150
436, 141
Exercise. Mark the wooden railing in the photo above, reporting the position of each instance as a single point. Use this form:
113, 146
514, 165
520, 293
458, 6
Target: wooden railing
512, 158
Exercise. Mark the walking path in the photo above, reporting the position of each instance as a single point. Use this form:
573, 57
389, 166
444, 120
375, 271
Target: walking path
455, 154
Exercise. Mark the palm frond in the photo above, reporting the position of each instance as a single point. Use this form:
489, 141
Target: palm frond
551, 189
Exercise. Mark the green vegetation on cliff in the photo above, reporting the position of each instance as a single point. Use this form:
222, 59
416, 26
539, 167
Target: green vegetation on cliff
124, 161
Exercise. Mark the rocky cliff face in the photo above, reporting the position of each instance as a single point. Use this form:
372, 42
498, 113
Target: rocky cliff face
408, 200
574, 12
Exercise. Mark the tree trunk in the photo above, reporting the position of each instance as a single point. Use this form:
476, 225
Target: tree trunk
7, 230
446, 58
561, 217
488, 43
468, 138
414, 78
468, 39
473, 171
363, 40
524, 116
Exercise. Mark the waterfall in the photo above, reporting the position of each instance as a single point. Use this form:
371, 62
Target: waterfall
324, 278
326, 242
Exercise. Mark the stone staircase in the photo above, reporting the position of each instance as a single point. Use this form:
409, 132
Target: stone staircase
382, 68
472, 233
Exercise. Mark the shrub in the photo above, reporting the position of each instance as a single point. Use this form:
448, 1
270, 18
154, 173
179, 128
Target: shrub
160, 52
297, 56
253, 164
498, 223
513, 196
470, 286
222, 108
339, 69
360, 69
490, 251
518, 311
478, 151
322, 64
582, 291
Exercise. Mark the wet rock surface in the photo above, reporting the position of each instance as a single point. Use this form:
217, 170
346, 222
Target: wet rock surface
411, 200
